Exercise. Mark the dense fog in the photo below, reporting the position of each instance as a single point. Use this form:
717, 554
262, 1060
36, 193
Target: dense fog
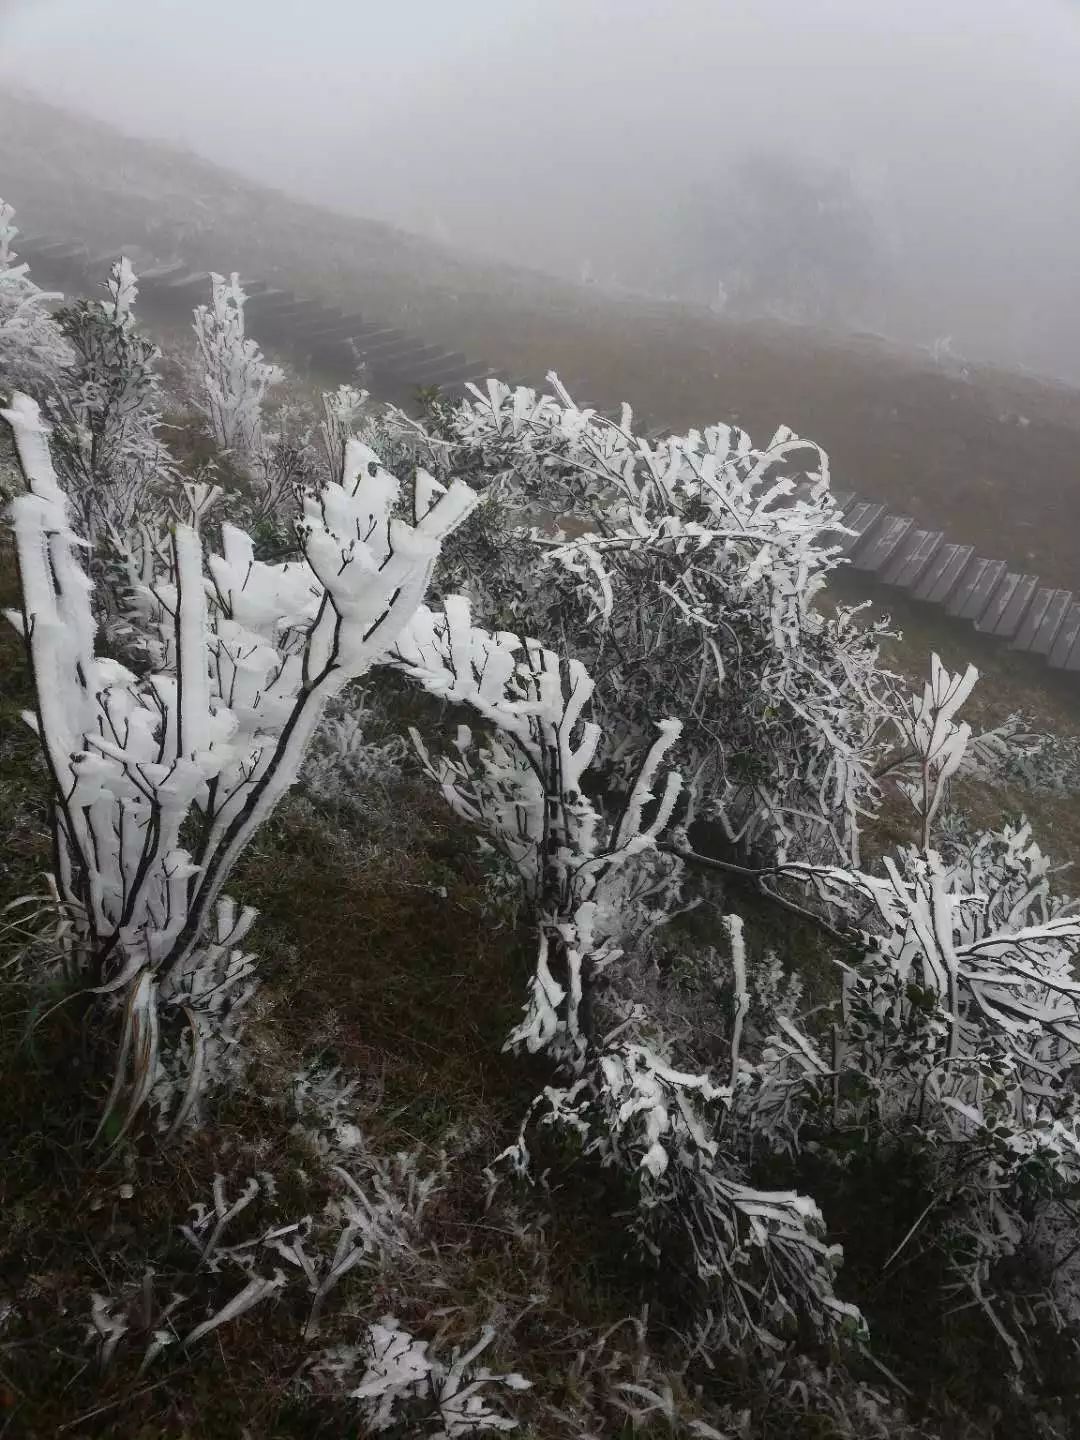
912, 169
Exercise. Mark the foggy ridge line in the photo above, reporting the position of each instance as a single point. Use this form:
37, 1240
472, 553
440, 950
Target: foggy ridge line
1009, 605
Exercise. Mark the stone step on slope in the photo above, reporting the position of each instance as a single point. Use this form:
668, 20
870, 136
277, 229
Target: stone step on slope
389, 339
970, 595
342, 328
349, 350
1033, 618
283, 327
281, 309
382, 354
910, 558
403, 366
881, 543
943, 572
192, 287
52, 248
451, 361
861, 518
845, 501
1008, 598
1047, 632
1066, 638
298, 318
309, 317
158, 276
270, 300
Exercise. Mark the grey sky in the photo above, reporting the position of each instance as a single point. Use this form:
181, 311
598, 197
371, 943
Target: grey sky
574, 131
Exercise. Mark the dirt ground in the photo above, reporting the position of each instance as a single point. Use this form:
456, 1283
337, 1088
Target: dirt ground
990, 457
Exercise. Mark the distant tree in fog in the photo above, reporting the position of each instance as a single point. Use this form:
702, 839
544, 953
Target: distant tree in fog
781, 236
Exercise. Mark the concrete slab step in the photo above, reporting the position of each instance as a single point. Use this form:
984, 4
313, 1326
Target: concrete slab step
983, 590
1051, 623
271, 299
341, 329
1015, 608
861, 519
192, 283
48, 249
451, 361
972, 591
943, 573
405, 365
389, 341
1066, 638
158, 275
307, 317
910, 558
882, 544
989, 617
1033, 618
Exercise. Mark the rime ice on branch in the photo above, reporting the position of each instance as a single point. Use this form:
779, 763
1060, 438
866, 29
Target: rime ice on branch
33, 354
235, 375
159, 781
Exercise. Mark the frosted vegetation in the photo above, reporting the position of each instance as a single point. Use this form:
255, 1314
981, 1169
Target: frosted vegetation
670, 747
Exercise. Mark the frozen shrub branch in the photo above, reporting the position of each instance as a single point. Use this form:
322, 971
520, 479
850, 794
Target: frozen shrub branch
159, 782
33, 352
236, 378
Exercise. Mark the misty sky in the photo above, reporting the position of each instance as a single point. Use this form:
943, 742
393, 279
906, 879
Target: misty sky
577, 132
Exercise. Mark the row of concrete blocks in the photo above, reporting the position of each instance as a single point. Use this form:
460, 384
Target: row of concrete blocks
999, 601
327, 337
393, 360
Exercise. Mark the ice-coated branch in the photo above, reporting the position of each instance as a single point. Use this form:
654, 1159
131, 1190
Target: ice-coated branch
33, 353
690, 583
108, 413
590, 882
236, 377
160, 781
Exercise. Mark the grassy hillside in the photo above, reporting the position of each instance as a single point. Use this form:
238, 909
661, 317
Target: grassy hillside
392, 956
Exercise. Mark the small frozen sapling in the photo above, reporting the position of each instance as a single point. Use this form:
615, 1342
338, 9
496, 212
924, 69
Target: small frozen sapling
236, 378
33, 353
108, 414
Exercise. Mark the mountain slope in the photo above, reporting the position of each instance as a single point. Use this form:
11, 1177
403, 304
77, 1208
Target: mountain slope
986, 455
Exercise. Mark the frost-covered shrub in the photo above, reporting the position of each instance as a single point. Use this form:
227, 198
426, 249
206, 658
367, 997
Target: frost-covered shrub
160, 780
692, 586
596, 886
400, 1381
279, 472
955, 1035
343, 409
107, 414
692, 592
343, 766
33, 354
235, 376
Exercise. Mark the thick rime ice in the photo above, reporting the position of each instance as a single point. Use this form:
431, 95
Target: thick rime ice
204, 746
